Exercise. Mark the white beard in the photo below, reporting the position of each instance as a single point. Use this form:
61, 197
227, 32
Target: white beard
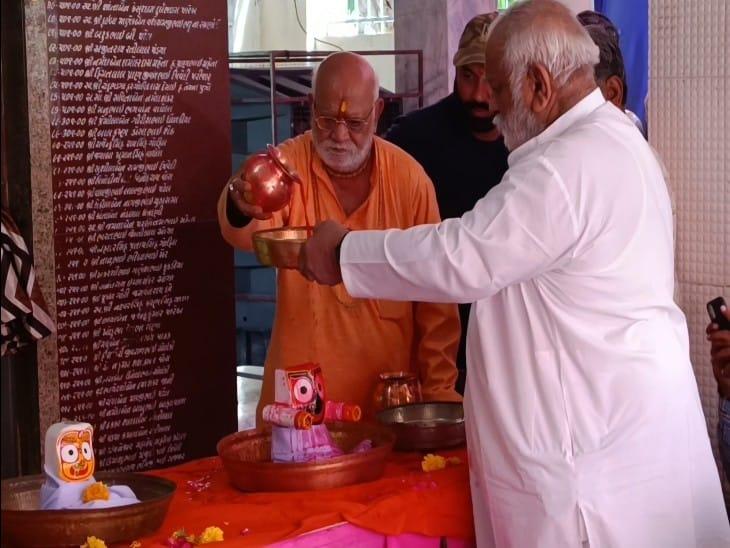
342, 157
520, 125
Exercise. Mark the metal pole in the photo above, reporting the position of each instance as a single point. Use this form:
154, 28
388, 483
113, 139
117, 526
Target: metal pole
272, 78
420, 78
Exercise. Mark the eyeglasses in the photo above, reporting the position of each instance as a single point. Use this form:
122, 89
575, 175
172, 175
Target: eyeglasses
354, 125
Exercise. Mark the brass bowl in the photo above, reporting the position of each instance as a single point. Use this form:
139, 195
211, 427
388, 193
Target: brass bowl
24, 524
280, 247
246, 457
426, 426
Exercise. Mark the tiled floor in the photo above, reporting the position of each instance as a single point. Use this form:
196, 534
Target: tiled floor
248, 396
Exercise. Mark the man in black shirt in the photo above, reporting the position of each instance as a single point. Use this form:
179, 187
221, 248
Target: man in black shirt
457, 143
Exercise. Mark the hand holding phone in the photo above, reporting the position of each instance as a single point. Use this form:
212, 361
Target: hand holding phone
715, 309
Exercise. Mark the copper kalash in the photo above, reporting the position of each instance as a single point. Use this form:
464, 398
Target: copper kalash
299, 414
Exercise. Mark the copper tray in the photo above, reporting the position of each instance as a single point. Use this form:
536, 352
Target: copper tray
280, 247
246, 457
426, 426
24, 524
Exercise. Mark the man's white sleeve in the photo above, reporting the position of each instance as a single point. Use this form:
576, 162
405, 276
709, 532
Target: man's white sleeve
524, 226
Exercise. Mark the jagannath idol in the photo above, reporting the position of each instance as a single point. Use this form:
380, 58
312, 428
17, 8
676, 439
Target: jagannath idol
69, 470
299, 413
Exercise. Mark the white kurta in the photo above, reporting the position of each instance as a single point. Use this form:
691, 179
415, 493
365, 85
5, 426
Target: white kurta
583, 414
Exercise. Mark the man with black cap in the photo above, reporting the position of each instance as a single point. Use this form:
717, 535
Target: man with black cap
457, 143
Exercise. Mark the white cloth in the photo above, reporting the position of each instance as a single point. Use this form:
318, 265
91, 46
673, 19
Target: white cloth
57, 494
583, 415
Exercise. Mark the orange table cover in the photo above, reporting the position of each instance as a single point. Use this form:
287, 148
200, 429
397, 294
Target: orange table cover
404, 500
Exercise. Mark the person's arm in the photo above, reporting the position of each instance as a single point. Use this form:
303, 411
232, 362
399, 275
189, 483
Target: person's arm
524, 226
237, 228
720, 355
236, 217
436, 325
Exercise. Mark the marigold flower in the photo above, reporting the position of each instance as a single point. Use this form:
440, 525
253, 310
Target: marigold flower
96, 491
180, 539
211, 534
93, 542
433, 462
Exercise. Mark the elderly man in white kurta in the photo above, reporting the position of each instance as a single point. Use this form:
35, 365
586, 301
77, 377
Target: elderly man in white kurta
583, 416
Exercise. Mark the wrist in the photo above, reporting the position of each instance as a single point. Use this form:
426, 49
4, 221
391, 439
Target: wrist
338, 247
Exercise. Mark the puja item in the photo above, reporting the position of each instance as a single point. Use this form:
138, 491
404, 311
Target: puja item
25, 524
270, 178
396, 388
246, 457
280, 247
299, 413
425, 426
69, 468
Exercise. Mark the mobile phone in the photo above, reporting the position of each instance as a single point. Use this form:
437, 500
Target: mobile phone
716, 315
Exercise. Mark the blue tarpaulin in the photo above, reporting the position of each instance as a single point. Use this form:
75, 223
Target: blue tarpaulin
631, 17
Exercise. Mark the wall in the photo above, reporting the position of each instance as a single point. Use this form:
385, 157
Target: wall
244, 25
262, 25
688, 124
433, 26
578, 5
279, 26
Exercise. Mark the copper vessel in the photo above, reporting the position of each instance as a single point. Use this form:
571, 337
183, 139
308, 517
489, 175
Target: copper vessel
396, 388
246, 457
270, 178
426, 426
24, 524
280, 247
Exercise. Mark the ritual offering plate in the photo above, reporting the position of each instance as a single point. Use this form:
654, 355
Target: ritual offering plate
425, 426
246, 457
24, 524
280, 247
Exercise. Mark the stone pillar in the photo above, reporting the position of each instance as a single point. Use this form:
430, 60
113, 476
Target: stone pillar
433, 26
39, 128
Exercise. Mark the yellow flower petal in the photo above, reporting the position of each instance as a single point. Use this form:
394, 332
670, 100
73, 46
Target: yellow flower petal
211, 534
431, 463
93, 542
96, 491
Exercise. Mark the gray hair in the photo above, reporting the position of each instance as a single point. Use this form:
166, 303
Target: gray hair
554, 40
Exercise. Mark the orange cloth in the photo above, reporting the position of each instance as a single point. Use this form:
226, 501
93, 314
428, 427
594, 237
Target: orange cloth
355, 339
405, 500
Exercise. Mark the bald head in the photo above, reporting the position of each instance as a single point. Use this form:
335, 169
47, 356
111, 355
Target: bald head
347, 75
345, 113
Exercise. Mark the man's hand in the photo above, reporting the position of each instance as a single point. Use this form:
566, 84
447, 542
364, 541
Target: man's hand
720, 353
238, 191
318, 261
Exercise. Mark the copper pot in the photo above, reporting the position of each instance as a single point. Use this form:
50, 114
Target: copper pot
246, 456
396, 388
270, 178
25, 524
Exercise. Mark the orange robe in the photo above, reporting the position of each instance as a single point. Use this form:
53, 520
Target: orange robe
355, 339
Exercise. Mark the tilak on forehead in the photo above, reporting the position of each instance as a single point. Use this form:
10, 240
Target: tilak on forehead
343, 107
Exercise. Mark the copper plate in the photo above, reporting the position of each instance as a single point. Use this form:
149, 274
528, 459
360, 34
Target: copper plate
280, 247
426, 426
24, 524
246, 457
